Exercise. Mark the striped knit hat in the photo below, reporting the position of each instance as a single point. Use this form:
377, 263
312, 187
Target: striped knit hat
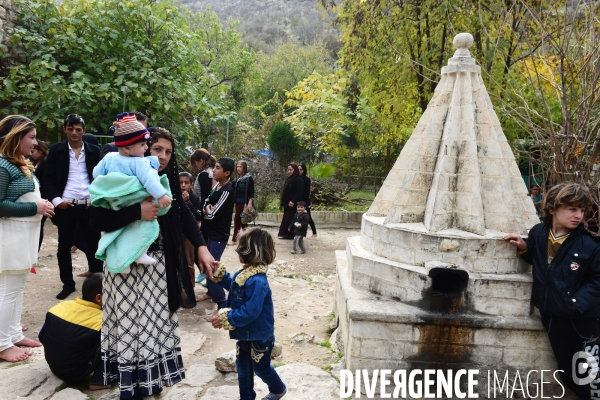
129, 131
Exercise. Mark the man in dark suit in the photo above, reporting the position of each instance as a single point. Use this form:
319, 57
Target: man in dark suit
67, 177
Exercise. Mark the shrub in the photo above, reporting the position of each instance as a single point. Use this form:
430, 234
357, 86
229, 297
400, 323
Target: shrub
283, 143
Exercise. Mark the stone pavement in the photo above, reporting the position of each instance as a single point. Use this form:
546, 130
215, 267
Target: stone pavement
203, 382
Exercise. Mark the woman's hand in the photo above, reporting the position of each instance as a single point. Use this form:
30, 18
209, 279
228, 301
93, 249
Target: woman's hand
516, 241
206, 262
149, 210
291, 204
45, 208
249, 205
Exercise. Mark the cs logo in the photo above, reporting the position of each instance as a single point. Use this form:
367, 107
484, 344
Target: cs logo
585, 368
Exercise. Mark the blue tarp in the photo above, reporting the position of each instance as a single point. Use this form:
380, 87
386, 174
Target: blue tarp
263, 153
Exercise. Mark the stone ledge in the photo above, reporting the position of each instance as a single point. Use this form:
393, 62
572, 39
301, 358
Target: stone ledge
323, 219
362, 305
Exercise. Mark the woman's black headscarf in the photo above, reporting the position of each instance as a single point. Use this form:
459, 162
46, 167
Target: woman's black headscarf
294, 175
179, 282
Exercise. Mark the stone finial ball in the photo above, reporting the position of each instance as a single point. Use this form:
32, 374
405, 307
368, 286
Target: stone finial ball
463, 40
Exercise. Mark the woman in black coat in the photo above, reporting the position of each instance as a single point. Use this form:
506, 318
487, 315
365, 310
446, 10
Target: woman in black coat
306, 198
291, 193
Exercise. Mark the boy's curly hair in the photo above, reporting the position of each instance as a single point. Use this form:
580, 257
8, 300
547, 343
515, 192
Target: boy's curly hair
256, 247
565, 195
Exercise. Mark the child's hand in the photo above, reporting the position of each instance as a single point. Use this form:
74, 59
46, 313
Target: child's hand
289, 230
214, 320
164, 201
186, 195
516, 241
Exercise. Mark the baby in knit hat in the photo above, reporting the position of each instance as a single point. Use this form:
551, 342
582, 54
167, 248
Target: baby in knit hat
131, 140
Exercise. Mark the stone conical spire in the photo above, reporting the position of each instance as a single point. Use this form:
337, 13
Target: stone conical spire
457, 169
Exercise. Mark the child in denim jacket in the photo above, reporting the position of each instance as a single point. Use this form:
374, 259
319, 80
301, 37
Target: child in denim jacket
250, 317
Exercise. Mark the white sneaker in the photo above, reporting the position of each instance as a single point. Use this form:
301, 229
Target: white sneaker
145, 259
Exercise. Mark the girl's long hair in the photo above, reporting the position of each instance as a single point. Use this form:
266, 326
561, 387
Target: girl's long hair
12, 130
245, 166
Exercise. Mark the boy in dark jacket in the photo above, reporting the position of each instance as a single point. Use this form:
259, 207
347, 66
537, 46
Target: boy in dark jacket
565, 261
71, 336
299, 226
218, 213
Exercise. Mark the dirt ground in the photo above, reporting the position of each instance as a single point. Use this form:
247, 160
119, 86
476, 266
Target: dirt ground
303, 289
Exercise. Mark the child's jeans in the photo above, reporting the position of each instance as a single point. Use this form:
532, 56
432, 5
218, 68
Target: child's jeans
299, 241
255, 357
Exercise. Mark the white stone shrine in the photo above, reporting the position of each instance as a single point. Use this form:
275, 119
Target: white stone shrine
430, 283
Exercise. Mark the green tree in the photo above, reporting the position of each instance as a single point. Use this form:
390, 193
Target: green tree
80, 55
283, 143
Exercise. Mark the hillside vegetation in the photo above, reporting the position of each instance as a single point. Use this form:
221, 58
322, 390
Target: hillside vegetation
264, 23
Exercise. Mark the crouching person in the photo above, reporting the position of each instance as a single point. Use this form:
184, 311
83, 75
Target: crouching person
71, 336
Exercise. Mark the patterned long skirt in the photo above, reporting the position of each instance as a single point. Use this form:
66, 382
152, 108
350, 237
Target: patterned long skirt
140, 336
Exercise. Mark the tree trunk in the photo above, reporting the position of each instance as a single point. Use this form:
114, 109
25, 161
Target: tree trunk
349, 171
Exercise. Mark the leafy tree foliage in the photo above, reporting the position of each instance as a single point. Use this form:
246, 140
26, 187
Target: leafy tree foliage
80, 55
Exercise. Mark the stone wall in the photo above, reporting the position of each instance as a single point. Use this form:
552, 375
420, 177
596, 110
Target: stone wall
323, 219
7, 17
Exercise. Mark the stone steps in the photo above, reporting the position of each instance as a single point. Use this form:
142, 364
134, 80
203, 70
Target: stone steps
492, 294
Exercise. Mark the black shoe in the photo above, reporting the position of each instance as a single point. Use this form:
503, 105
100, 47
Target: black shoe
64, 293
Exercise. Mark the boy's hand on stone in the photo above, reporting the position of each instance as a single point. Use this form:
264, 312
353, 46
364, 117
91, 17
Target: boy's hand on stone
516, 240
164, 201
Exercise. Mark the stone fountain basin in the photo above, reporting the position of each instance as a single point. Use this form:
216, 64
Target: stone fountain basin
486, 293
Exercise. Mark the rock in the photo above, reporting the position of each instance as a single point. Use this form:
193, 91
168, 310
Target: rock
337, 368
303, 381
300, 337
183, 393
112, 395
69, 394
191, 343
226, 362
200, 375
24, 380
46, 389
281, 263
336, 341
224, 392
449, 245
277, 349
334, 323
196, 378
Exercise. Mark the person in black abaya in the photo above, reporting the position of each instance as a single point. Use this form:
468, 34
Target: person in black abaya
291, 193
141, 346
